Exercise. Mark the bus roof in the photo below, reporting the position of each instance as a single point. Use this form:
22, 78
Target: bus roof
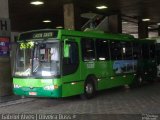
96, 34
57, 33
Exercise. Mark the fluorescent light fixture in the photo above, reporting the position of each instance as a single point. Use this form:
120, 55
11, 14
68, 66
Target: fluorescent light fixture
158, 23
47, 21
124, 50
101, 58
59, 27
37, 2
124, 22
101, 7
146, 19
89, 50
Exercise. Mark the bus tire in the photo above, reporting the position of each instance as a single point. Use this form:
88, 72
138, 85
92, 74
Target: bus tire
89, 90
138, 81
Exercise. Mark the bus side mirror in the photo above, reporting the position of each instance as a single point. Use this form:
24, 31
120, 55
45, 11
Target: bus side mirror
66, 48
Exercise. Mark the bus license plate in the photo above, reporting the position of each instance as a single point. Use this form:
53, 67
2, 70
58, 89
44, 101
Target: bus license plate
32, 93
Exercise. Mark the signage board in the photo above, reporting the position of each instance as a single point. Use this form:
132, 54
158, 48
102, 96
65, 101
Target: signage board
5, 28
35, 35
4, 46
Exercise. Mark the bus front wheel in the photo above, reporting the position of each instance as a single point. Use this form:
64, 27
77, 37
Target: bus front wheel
89, 90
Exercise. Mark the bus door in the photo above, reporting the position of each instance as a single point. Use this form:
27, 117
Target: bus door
72, 83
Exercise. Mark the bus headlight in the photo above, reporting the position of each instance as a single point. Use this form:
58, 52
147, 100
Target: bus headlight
50, 87
16, 86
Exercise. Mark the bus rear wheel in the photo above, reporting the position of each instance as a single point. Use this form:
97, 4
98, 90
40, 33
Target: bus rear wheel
138, 82
89, 90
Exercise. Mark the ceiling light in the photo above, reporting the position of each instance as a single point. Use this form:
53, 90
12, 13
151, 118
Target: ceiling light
47, 21
158, 23
146, 19
149, 27
59, 27
36, 2
124, 22
101, 7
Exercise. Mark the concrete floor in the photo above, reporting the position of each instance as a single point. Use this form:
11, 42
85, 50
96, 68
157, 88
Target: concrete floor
110, 104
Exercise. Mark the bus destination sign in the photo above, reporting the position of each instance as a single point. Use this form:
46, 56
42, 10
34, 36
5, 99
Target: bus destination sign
38, 35
43, 35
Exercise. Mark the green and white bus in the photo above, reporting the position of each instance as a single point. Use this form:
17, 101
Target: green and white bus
158, 56
157, 42
61, 63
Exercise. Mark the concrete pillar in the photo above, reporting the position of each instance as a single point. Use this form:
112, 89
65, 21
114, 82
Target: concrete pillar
115, 23
72, 19
4, 11
14, 36
142, 29
5, 67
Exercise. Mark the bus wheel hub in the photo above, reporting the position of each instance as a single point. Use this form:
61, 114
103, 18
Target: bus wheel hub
89, 88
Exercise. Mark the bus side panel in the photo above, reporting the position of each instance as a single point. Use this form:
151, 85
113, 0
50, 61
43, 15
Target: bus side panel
147, 69
120, 73
158, 58
120, 80
102, 73
106, 77
72, 88
72, 84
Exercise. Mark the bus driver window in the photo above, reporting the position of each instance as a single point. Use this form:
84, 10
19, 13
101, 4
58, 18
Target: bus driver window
54, 60
54, 55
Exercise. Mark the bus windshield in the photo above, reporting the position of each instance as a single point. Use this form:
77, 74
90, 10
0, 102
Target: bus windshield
37, 59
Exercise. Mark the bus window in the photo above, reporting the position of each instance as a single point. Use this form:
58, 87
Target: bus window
152, 51
46, 61
102, 49
70, 64
115, 48
88, 49
158, 52
145, 51
136, 51
127, 50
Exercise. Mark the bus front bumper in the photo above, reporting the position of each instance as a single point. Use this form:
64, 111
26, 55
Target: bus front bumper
38, 92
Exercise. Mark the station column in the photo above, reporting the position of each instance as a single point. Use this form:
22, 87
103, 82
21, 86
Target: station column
115, 23
142, 29
5, 67
72, 19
